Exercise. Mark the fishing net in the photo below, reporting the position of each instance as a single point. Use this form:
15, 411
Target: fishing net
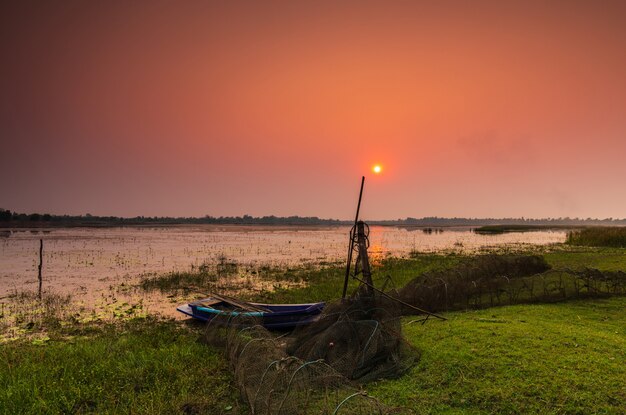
361, 338
316, 369
494, 280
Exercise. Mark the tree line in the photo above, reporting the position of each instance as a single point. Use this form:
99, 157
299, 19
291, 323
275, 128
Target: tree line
14, 219
8, 218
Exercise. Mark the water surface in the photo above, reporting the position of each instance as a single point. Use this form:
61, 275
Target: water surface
80, 260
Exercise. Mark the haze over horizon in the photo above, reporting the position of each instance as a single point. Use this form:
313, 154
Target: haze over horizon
481, 109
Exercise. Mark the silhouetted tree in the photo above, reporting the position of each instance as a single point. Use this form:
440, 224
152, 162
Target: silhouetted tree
5, 215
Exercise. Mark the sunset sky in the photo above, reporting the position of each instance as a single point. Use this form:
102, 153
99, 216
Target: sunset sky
187, 108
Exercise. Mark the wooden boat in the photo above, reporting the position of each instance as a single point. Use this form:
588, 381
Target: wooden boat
271, 316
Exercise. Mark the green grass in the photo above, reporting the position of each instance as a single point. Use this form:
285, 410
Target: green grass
604, 259
321, 283
566, 358
599, 236
142, 367
327, 283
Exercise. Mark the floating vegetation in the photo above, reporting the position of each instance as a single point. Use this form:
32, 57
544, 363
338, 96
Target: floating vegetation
23, 314
226, 276
500, 229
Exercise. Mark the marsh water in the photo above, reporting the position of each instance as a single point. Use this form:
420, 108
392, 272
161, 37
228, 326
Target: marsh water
80, 260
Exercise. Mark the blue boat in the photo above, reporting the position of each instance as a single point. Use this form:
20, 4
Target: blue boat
271, 316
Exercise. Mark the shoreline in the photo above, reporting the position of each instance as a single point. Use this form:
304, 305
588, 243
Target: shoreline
168, 368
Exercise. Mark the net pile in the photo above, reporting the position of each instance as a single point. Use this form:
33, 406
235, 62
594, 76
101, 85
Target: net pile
494, 280
360, 338
316, 370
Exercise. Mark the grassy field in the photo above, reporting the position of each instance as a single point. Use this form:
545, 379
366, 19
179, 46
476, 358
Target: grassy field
604, 259
563, 358
141, 366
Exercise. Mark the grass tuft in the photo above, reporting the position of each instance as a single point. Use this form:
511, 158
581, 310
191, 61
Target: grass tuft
179, 281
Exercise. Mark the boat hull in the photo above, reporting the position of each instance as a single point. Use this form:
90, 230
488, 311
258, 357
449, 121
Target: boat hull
278, 316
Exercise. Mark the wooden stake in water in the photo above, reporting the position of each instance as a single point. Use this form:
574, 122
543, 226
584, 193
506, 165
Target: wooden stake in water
40, 264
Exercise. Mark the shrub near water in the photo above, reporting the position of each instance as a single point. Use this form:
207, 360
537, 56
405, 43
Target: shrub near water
600, 236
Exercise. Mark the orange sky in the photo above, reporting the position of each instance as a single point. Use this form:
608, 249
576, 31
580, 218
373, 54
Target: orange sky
485, 109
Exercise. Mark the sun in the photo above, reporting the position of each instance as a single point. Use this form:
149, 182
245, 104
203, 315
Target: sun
377, 168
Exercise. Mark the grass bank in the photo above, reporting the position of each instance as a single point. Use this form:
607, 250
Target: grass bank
565, 358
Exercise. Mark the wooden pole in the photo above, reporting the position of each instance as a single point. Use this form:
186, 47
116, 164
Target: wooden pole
40, 265
351, 244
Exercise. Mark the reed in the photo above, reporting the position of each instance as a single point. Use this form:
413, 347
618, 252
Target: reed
614, 237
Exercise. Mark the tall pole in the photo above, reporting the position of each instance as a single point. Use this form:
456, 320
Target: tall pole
40, 265
351, 244
358, 206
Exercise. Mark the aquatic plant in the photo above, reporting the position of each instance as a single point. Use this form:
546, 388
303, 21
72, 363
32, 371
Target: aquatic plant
613, 236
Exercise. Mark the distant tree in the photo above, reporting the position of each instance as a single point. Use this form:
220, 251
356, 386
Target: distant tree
5, 215
34, 217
